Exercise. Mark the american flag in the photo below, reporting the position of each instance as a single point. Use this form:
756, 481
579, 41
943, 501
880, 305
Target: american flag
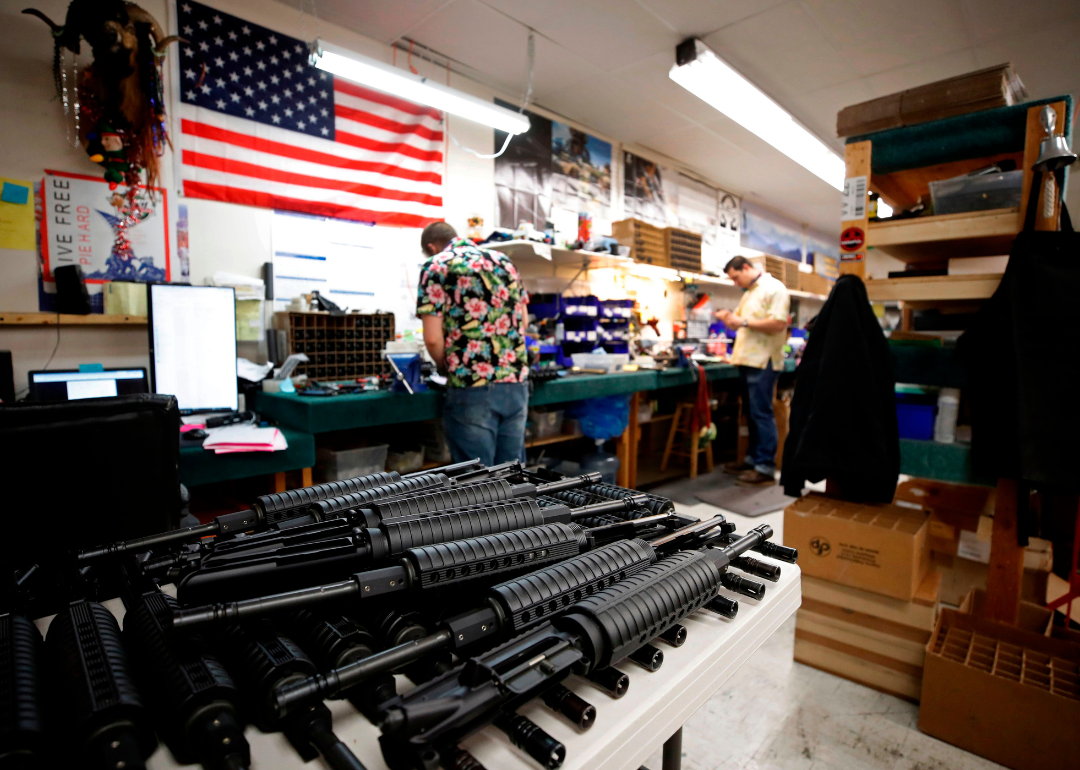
265, 128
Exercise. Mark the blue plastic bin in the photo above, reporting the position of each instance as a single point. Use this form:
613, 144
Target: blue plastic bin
915, 417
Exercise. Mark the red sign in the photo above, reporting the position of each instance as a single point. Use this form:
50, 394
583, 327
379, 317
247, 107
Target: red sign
852, 239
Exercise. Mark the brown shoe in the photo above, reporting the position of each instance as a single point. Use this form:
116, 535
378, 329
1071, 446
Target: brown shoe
736, 468
753, 478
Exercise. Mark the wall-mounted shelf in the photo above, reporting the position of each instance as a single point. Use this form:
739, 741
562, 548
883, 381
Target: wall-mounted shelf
935, 288
971, 234
63, 319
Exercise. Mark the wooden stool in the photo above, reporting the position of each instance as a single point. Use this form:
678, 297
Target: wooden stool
686, 424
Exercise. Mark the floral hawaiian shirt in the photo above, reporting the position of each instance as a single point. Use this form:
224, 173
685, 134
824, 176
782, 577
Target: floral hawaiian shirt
482, 303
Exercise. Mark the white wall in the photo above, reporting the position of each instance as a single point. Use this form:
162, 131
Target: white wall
222, 236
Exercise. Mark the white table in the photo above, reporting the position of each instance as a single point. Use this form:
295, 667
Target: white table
627, 731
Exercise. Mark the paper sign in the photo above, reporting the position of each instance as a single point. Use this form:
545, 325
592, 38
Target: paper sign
16, 215
853, 201
971, 547
77, 229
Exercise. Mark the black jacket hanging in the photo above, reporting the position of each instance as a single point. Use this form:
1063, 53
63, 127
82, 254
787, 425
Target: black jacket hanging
1020, 365
843, 413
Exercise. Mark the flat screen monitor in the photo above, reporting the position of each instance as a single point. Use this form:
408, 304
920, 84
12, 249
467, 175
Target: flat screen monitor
72, 384
193, 345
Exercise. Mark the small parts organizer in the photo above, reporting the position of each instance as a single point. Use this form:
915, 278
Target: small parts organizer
340, 346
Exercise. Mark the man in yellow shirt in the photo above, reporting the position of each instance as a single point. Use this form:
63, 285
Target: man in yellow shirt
761, 321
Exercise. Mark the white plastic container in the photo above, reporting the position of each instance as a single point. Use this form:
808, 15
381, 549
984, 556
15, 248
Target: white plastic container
612, 362
948, 409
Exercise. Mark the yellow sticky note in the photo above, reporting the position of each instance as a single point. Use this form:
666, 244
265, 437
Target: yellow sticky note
17, 219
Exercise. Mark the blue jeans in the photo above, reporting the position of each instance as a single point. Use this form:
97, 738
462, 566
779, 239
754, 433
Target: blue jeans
487, 421
759, 385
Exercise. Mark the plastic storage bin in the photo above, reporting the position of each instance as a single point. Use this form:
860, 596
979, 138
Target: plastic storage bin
612, 362
338, 464
915, 417
977, 193
543, 424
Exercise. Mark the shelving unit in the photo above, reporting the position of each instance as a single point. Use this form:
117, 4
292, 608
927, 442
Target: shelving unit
556, 439
904, 161
933, 290
64, 319
929, 239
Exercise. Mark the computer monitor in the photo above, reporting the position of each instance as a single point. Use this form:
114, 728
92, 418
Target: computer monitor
73, 384
193, 345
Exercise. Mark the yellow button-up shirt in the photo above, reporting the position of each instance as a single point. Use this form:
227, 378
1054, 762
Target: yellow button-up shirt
766, 298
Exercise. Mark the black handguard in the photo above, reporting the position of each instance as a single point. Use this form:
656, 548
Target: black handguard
511, 608
293, 560
23, 737
194, 700
105, 722
266, 510
590, 636
263, 659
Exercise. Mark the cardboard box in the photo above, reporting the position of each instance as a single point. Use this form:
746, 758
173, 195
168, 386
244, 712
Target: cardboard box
1032, 617
868, 638
960, 575
879, 548
1009, 695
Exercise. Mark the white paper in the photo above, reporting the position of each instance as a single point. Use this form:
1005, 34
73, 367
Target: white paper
971, 547
853, 201
251, 371
542, 250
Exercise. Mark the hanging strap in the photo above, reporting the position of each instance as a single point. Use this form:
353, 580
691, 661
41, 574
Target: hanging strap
1065, 224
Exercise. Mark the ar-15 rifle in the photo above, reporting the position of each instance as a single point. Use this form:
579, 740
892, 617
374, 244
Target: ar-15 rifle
266, 511
262, 660
95, 694
515, 606
192, 696
23, 738
611, 626
432, 567
293, 560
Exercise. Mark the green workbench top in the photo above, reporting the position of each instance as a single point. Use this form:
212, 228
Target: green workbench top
321, 414
201, 466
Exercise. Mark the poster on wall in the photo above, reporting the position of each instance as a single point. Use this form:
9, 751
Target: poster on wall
643, 190
77, 228
523, 174
581, 166
771, 236
354, 265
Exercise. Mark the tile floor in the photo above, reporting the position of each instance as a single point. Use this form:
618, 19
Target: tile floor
777, 714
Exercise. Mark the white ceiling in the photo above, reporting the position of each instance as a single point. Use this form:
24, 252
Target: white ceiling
604, 64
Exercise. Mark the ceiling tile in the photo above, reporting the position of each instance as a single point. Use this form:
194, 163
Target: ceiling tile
693, 18
921, 72
883, 36
376, 19
817, 109
609, 33
614, 108
1043, 74
989, 19
649, 77
782, 52
501, 56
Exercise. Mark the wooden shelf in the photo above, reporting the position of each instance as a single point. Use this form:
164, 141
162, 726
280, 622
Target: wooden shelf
556, 439
971, 234
935, 289
51, 319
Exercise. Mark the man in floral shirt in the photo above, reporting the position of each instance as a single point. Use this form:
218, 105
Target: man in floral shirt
474, 310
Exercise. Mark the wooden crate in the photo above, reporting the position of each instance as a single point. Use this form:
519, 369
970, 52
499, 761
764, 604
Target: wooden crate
683, 249
341, 347
646, 241
784, 270
814, 283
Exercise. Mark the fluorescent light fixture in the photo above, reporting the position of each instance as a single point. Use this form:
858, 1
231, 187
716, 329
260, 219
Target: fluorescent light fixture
709, 78
416, 88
